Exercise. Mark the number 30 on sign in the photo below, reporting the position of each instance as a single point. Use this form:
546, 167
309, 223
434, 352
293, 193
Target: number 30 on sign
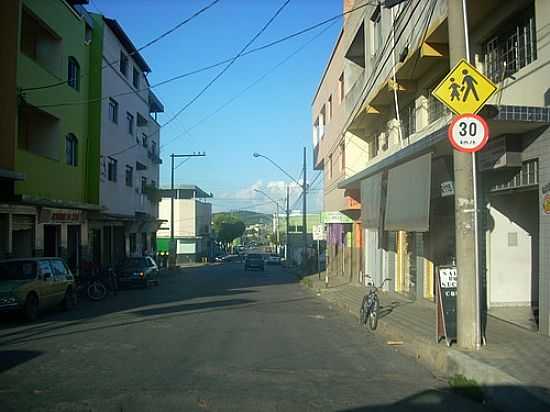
468, 133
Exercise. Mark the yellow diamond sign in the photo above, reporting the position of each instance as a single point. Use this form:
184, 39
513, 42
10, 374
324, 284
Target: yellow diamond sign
465, 89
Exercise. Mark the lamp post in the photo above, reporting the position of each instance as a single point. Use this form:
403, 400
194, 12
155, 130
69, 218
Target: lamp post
303, 185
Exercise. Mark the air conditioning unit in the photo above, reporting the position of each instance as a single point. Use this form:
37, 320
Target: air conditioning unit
502, 152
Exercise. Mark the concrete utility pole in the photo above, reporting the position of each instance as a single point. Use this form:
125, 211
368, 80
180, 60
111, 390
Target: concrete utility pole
468, 323
287, 221
172, 240
304, 213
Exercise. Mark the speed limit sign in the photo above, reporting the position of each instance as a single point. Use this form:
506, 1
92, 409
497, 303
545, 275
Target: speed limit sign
468, 133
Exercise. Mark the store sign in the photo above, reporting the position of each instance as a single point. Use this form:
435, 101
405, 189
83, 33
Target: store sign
60, 216
319, 232
446, 296
468, 133
335, 217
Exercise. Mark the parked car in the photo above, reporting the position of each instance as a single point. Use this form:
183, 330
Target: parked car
254, 261
273, 259
34, 284
231, 258
141, 271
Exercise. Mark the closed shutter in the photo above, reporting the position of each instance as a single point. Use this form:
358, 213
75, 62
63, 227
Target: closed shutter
23, 222
371, 195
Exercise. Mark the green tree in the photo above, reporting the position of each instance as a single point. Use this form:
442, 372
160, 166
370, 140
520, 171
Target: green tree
227, 228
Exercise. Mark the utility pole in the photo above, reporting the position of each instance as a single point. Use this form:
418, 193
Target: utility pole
304, 213
287, 222
172, 190
468, 322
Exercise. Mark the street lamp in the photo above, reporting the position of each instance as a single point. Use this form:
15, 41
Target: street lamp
303, 185
276, 217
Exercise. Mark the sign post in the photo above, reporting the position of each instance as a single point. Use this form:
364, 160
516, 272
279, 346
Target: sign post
319, 233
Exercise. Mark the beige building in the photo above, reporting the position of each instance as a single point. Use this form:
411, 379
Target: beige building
192, 223
381, 139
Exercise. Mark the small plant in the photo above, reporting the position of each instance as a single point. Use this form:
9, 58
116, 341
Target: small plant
469, 388
307, 282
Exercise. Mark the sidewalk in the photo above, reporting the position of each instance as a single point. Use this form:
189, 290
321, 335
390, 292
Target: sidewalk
513, 356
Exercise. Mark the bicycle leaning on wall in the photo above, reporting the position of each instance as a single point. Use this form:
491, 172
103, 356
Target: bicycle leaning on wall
368, 313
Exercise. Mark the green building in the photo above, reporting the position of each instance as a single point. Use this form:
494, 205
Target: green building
50, 152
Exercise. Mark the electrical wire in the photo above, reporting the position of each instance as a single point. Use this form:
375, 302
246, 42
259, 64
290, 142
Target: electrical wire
150, 43
221, 73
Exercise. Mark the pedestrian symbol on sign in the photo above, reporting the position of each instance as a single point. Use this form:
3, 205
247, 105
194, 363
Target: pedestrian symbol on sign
464, 90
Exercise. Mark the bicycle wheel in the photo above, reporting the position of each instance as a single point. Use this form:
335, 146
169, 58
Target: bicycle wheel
96, 291
373, 313
363, 312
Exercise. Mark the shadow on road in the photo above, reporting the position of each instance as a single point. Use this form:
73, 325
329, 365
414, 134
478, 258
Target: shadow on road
12, 358
494, 398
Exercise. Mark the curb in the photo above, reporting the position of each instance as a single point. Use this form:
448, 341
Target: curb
502, 390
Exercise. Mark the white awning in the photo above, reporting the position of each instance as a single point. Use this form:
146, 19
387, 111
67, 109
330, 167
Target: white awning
408, 196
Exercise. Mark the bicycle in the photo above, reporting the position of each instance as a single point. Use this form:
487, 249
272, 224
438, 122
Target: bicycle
370, 305
97, 282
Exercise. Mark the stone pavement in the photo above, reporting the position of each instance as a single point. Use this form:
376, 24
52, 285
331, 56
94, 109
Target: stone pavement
512, 356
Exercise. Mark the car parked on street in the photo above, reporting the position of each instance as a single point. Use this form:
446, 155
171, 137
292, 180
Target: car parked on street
138, 271
34, 284
254, 261
273, 259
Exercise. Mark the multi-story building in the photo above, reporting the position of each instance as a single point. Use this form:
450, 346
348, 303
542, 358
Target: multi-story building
130, 140
49, 151
192, 223
381, 139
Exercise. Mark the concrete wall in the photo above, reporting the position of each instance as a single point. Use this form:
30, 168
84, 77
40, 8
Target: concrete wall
116, 142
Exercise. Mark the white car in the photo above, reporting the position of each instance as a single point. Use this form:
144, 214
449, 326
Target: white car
273, 260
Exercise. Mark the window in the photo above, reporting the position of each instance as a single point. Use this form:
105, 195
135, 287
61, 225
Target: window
135, 78
330, 167
73, 73
112, 169
329, 108
407, 117
129, 176
322, 123
133, 243
141, 121
373, 146
513, 48
123, 64
41, 44
143, 184
113, 110
436, 109
153, 184
341, 88
58, 268
71, 150
88, 34
343, 156
154, 148
376, 30
144, 140
130, 119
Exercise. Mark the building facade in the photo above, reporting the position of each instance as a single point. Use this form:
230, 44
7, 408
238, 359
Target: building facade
129, 158
192, 223
381, 139
49, 150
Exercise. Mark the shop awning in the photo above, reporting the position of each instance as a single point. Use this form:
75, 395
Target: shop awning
371, 195
408, 196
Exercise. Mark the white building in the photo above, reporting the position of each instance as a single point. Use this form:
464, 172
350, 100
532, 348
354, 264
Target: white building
129, 158
192, 223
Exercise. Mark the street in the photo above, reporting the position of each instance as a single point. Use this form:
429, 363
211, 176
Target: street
208, 338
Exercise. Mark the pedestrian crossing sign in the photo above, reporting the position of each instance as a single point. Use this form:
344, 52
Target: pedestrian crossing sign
465, 89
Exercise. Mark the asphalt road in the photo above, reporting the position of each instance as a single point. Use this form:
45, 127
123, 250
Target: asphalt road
213, 338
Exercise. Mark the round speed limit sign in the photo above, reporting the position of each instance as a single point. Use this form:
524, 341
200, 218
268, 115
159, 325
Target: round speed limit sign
468, 133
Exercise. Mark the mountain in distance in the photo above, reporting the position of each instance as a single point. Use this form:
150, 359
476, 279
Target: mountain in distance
249, 218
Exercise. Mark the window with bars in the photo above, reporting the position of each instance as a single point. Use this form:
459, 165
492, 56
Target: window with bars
407, 117
436, 109
528, 175
513, 47
112, 169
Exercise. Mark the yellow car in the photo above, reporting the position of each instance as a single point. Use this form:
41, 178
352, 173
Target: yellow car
33, 284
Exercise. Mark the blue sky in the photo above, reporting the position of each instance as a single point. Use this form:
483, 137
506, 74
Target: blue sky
273, 117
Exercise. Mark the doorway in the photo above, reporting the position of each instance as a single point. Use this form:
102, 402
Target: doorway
406, 264
73, 247
52, 240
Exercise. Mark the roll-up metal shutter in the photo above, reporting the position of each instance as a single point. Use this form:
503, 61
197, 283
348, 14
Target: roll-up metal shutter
408, 196
371, 194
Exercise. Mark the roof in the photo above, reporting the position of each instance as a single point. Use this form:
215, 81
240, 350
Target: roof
127, 43
199, 192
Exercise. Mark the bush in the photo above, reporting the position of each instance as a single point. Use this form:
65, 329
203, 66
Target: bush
468, 388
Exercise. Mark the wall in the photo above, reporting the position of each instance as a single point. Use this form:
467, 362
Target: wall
116, 142
184, 217
62, 182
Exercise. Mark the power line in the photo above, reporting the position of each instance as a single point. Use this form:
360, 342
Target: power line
220, 74
212, 66
150, 43
250, 86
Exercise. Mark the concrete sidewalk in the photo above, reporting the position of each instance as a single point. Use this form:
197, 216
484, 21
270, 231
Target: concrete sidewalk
513, 356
